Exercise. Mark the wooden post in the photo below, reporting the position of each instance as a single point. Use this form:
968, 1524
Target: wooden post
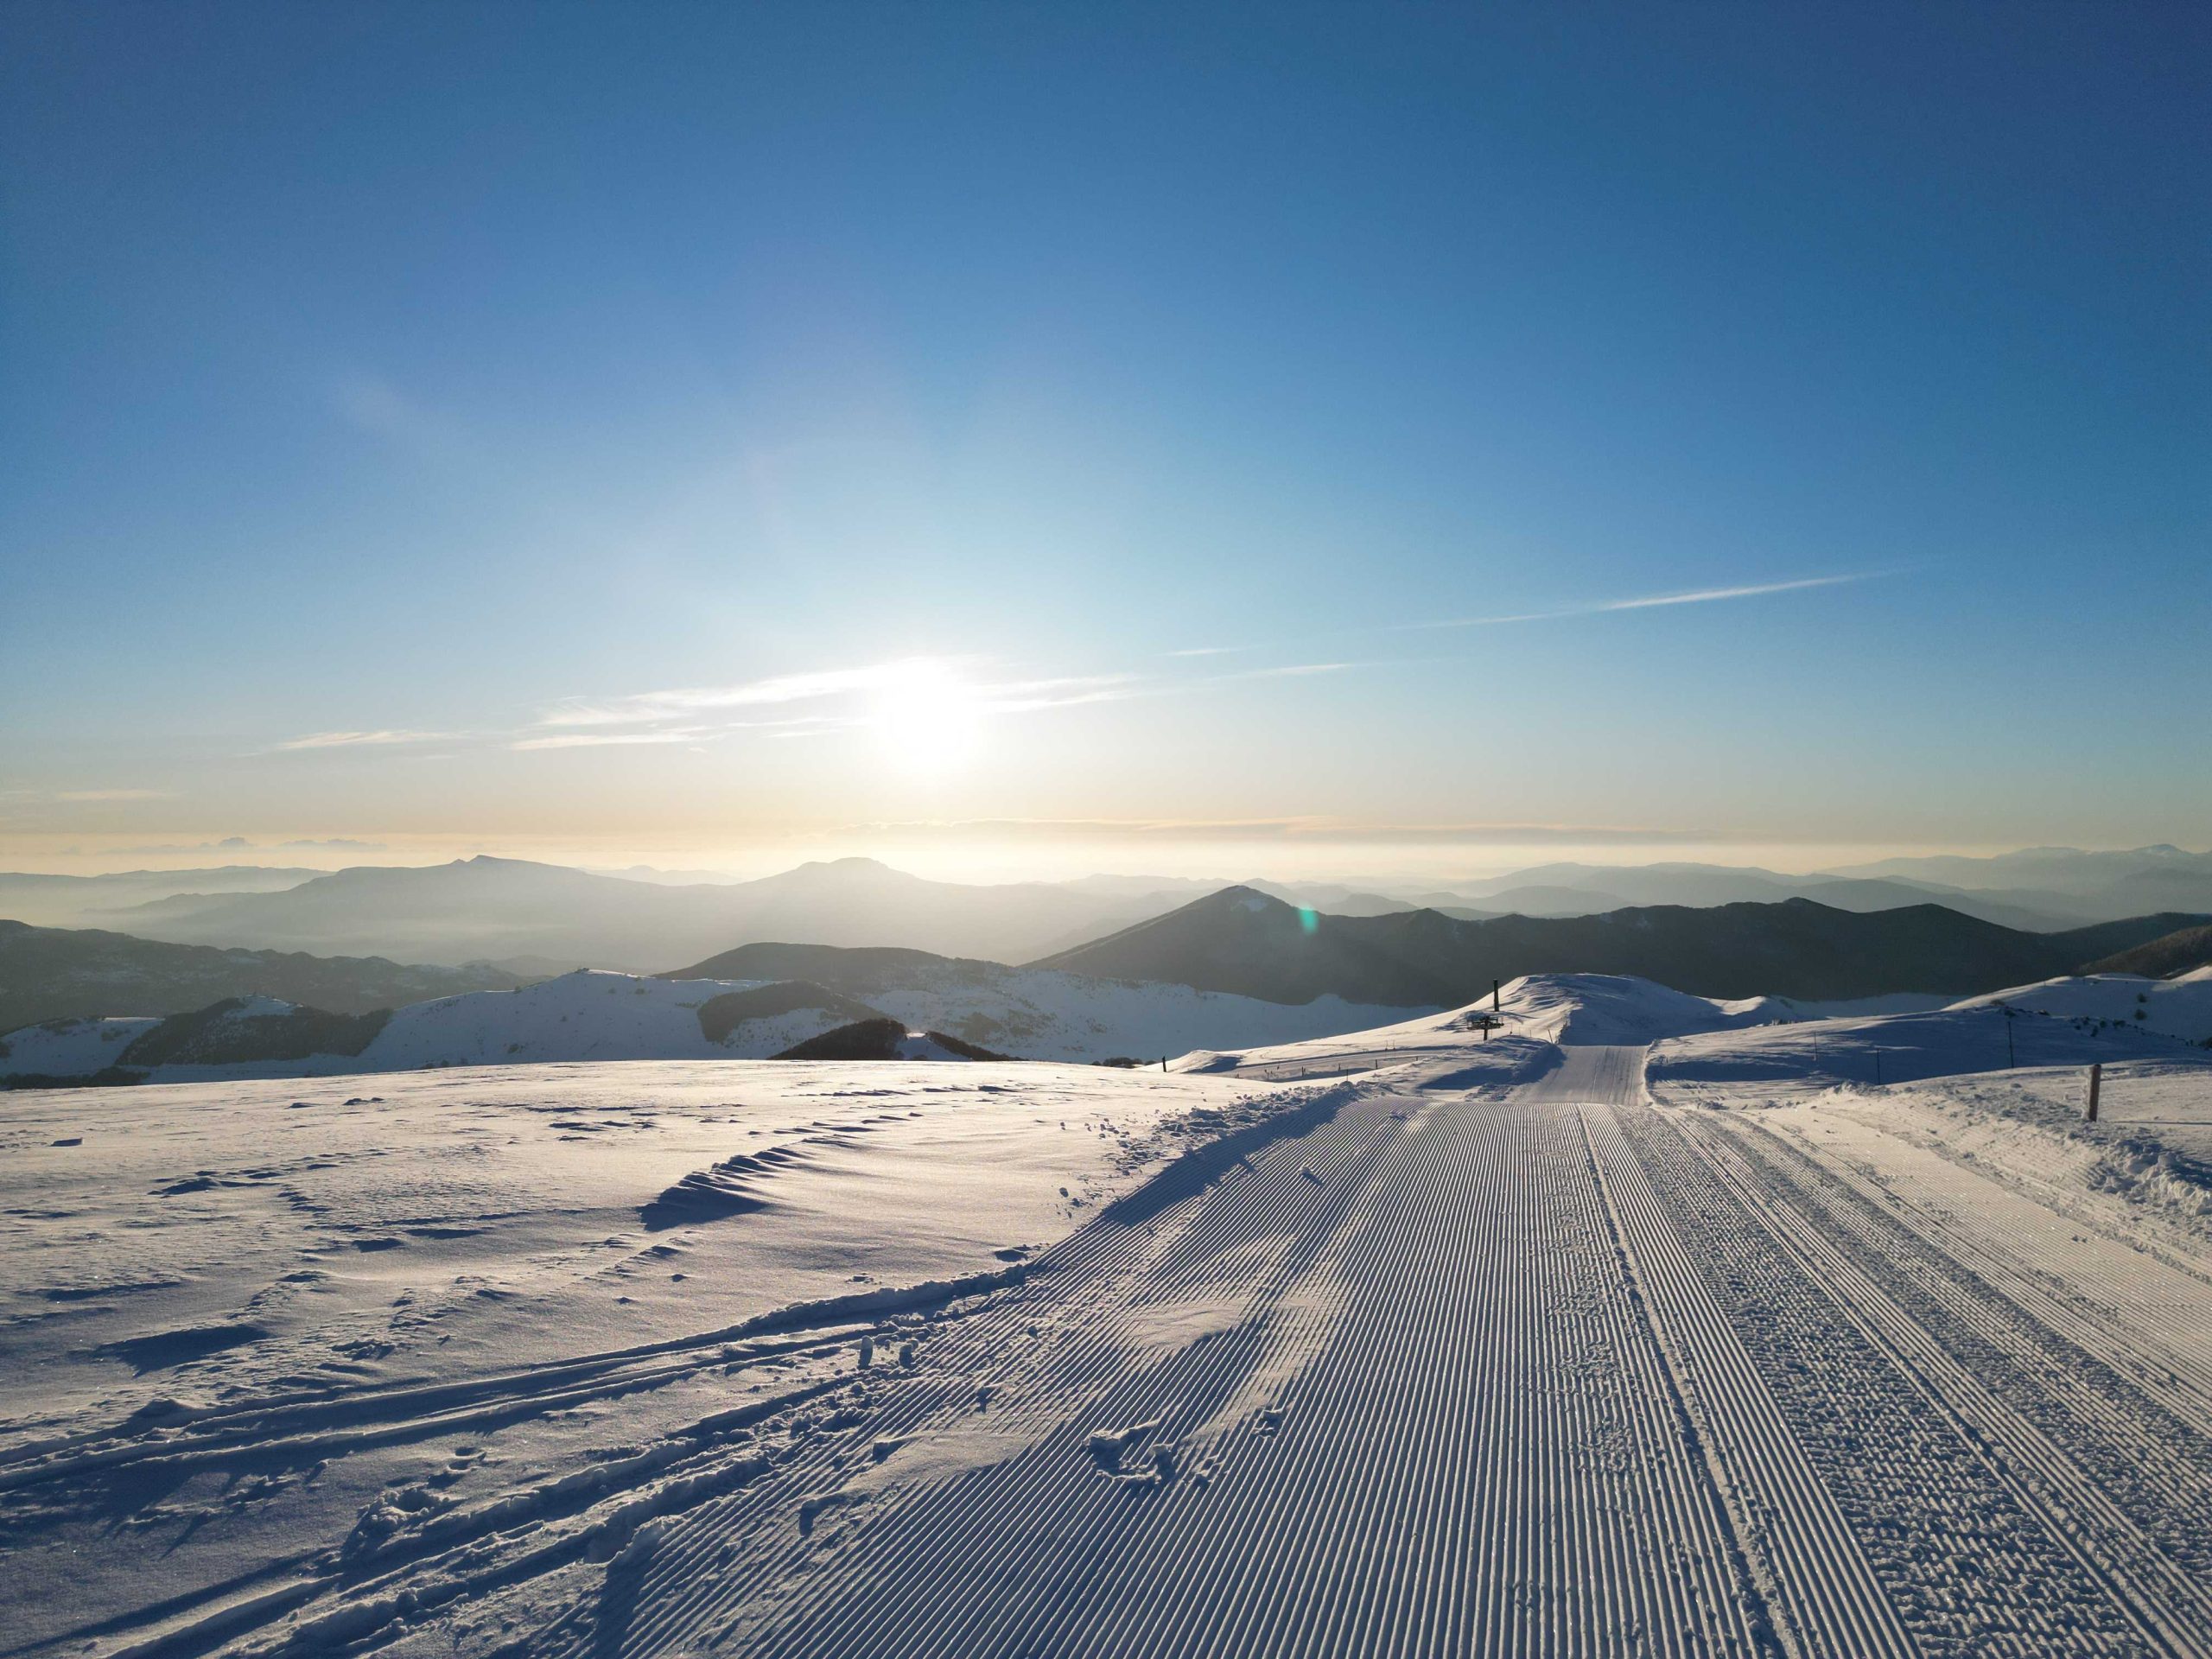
2096, 1087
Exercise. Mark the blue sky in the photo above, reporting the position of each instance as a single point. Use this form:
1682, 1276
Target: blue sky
827, 419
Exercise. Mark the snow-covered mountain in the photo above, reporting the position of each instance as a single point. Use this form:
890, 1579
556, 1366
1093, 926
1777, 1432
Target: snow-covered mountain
601, 1015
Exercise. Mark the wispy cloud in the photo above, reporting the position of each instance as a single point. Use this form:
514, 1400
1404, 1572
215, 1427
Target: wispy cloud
112, 795
1653, 601
809, 704
603, 739
638, 708
364, 740
1290, 671
372, 404
674, 715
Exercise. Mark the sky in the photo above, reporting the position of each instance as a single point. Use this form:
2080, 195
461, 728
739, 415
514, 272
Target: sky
1103, 437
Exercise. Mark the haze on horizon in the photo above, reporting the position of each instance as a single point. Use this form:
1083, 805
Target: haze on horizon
1016, 442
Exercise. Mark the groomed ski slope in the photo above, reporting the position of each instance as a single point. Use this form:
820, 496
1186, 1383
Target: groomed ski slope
1526, 1370
1480, 1350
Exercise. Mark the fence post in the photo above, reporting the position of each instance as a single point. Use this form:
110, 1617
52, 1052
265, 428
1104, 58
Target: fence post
2096, 1087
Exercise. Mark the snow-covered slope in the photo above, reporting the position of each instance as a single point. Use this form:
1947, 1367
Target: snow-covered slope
70, 1048
1565, 1009
1983, 1035
2176, 1007
1040, 1014
596, 1016
587, 1015
1617, 1008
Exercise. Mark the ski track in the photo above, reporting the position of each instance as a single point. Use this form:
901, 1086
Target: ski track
1539, 1370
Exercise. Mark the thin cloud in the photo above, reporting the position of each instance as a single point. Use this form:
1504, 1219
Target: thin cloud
112, 795
808, 704
372, 404
363, 740
641, 706
1655, 602
604, 740
1291, 671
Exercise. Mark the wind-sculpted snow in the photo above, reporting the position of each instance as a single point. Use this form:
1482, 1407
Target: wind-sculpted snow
1469, 1348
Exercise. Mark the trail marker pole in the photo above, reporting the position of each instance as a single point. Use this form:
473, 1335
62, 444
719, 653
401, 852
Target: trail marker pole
2010, 1064
1496, 1006
2096, 1087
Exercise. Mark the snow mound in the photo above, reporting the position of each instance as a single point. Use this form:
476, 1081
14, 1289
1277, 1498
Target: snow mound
1614, 1009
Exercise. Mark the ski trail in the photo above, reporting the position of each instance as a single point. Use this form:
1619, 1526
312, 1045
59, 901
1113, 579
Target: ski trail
1439, 1423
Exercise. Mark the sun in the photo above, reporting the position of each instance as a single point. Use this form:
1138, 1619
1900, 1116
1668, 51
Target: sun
930, 720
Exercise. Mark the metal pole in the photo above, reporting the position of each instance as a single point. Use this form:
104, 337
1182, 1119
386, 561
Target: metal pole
2096, 1087
2010, 1064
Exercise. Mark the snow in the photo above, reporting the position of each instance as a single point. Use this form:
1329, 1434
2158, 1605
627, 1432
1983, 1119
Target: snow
1042, 1013
70, 1048
587, 1015
921, 1045
593, 1015
1563, 1008
169, 1252
1537, 1340
2177, 1007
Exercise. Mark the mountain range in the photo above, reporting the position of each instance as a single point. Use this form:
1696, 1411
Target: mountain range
537, 918
548, 917
1251, 944
48, 973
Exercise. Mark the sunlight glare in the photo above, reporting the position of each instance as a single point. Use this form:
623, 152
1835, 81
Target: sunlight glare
930, 721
